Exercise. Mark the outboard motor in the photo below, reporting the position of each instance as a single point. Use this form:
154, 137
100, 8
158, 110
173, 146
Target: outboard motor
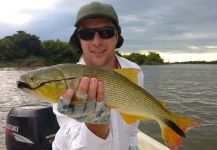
31, 127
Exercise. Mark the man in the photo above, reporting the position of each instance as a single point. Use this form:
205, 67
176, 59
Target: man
97, 35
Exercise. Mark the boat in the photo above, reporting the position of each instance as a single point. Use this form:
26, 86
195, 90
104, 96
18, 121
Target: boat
27, 128
145, 142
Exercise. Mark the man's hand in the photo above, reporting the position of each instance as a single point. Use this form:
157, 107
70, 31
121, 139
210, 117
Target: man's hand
88, 105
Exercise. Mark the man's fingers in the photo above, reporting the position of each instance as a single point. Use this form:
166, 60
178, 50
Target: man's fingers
83, 86
68, 94
100, 91
92, 89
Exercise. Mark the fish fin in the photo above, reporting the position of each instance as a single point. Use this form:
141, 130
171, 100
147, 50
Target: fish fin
173, 131
163, 103
129, 119
129, 73
169, 136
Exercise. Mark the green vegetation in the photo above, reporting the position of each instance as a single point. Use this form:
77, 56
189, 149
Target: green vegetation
23, 49
152, 58
57, 52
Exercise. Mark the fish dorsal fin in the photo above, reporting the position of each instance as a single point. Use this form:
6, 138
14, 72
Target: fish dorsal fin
163, 103
129, 119
129, 73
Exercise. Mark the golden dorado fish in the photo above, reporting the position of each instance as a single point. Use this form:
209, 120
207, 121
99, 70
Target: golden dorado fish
130, 100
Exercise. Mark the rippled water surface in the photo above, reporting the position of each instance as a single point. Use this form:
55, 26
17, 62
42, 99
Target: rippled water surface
189, 90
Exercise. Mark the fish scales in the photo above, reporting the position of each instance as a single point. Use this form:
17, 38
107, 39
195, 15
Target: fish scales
118, 90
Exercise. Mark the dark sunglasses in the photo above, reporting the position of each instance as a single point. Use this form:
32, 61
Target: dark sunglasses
88, 33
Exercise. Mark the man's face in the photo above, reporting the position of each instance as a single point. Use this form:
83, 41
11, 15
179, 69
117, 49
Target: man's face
99, 51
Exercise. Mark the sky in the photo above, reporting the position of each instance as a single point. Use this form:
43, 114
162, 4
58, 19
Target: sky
179, 30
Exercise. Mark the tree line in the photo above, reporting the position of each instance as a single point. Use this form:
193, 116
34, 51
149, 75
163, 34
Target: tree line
26, 50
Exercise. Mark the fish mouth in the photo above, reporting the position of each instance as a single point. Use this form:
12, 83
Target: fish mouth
27, 89
23, 85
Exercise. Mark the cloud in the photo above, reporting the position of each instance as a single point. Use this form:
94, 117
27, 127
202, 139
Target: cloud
19, 12
211, 46
181, 57
193, 47
168, 25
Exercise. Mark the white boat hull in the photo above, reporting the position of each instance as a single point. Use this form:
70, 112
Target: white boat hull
147, 143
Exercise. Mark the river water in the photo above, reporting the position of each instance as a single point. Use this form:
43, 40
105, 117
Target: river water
189, 90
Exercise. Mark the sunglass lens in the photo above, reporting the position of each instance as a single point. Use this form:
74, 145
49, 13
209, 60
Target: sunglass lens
106, 32
86, 33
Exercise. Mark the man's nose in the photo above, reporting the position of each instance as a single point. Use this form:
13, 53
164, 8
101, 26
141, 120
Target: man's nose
97, 39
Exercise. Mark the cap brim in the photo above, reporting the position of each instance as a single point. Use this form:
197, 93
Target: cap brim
120, 41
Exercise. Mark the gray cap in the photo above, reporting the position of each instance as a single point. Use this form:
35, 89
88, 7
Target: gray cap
94, 10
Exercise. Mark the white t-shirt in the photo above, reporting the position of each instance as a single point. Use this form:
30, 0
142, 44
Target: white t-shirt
74, 135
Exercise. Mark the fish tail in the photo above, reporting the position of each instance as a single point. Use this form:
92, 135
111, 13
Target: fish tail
173, 130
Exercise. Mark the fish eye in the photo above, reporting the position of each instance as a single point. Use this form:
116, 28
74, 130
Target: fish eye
31, 79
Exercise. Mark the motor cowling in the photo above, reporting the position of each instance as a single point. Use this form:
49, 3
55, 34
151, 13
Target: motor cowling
31, 127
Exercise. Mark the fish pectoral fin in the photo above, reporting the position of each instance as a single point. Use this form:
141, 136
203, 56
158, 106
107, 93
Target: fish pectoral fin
129, 73
129, 119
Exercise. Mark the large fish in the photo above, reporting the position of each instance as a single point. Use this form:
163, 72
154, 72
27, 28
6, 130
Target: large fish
131, 101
